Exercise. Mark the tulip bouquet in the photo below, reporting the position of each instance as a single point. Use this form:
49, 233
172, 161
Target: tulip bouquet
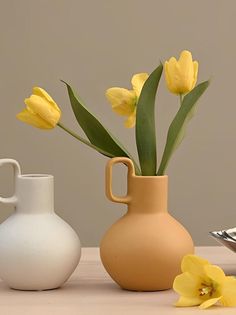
137, 105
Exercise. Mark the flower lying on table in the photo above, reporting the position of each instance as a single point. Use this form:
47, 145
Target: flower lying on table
203, 284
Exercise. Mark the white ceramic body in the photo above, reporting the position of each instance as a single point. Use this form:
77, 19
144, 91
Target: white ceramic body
38, 250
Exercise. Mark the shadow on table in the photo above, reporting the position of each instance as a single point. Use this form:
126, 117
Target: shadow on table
90, 285
98, 287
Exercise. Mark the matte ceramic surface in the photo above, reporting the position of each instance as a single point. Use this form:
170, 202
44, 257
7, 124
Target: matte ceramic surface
143, 250
38, 250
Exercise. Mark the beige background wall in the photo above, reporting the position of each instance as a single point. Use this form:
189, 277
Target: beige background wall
98, 44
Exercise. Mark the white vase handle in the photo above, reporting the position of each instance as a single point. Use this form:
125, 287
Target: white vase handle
17, 171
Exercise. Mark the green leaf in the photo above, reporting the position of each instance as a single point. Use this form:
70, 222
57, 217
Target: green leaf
95, 131
178, 126
145, 124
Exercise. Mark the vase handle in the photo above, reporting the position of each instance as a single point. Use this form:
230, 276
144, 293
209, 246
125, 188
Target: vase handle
131, 171
17, 172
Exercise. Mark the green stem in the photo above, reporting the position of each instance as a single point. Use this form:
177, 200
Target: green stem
73, 134
181, 98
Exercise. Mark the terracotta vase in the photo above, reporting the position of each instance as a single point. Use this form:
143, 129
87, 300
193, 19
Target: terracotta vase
143, 250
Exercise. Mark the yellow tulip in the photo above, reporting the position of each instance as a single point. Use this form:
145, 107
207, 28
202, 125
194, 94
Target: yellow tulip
203, 284
124, 101
41, 110
181, 75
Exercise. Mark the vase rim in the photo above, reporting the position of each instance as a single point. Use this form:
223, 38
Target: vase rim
150, 176
35, 176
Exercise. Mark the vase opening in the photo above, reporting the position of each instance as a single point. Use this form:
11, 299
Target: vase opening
36, 176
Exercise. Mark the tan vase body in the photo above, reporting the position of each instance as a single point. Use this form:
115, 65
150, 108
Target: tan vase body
143, 250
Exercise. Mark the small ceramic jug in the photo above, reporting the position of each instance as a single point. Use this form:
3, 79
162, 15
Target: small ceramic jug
143, 250
38, 250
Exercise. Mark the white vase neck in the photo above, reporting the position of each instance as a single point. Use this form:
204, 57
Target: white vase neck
34, 193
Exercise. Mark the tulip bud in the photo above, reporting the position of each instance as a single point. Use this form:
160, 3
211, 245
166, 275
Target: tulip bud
41, 110
181, 75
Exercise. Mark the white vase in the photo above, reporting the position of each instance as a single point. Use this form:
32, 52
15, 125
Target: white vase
38, 250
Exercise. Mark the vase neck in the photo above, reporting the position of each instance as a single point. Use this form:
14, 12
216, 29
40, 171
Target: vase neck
148, 194
35, 194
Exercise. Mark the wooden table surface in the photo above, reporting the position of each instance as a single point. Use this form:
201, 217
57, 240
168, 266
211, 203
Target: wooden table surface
90, 290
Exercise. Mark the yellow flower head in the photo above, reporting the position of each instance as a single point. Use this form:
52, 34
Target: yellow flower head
124, 101
181, 75
203, 284
41, 111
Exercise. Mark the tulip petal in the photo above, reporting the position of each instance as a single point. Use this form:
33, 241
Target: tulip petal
33, 119
138, 81
215, 273
229, 292
209, 302
43, 108
123, 101
185, 59
194, 265
187, 71
195, 68
172, 63
42, 93
187, 284
188, 301
130, 121
172, 75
